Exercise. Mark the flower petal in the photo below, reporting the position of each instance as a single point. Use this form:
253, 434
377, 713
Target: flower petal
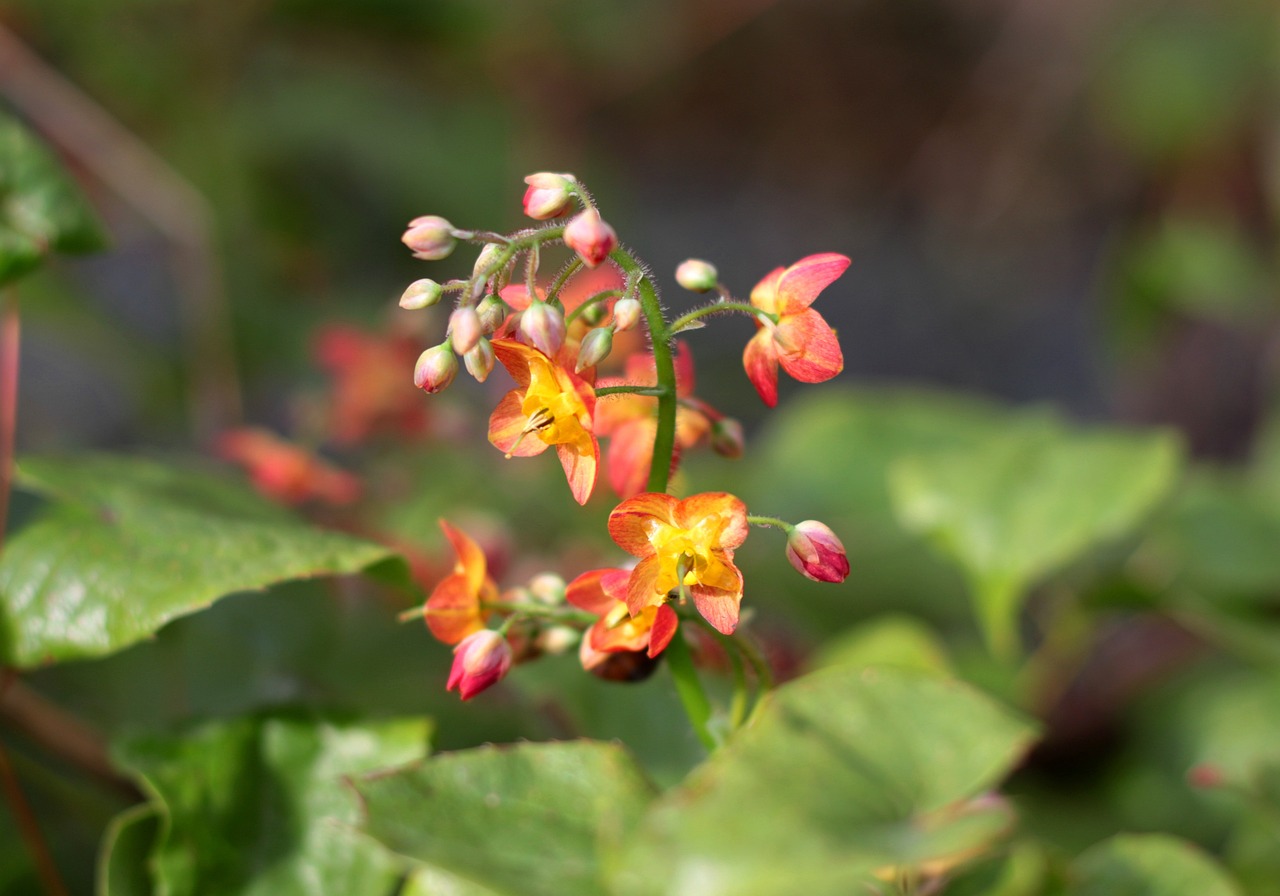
630, 521
642, 586
664, 628
732, 512
762, 366
598, 590
630, 454
580, 467
765, 294
506, 424
808, 348
453, 610
718, 606
801, 283
516, 356
471, 562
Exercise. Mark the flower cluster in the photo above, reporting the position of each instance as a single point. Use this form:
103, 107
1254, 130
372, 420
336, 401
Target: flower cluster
580, 373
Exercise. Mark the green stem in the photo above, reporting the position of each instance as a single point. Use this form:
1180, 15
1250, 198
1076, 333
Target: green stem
696, 705
715, 308
598, 297
654, 391
574, 265
770, 521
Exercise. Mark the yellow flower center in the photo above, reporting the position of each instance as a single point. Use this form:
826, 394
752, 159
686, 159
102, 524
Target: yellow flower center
555, 410
694, 551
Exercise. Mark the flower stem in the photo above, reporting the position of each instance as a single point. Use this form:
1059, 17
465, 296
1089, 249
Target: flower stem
629, 390
715, 308
696, 705
770, 522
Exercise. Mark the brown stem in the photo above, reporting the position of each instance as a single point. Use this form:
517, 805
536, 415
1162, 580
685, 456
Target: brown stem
29, 827
10, 336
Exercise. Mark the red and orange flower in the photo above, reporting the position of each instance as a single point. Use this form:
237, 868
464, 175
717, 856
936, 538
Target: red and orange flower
791, 333
686, 546
603, 593
455, 609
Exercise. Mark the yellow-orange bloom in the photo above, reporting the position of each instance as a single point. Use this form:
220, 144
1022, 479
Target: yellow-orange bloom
603, 592
687, 543
454, 609
550, 406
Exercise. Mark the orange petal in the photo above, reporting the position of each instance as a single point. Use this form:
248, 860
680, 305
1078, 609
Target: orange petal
599, 590
642, 586
764, 296
515, 356
802, 282
809, 350
630, 521
507, 422
453, 610
691, 427
471, 562
717, 606
630, 454
664, 628
580, 468
762, 366
732, 512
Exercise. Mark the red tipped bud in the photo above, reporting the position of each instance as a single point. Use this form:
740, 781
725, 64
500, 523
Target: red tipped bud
589, 236
596, 346
479, 661
421, 294
549, 195
814, 550
464, 327
479, 360
430, 237
727, 439
626, 314
435, 369
697, 275
542, 326
492, 311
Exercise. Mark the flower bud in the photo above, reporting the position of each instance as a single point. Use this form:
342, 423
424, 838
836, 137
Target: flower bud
542, 326
727, 439
492, 311
464, 327
590, 237
430, 237
626, 314
484, 261
557, 639
421, 294
480, 660
594, 313
697, 275
814, 550
549, 195
479, 360
435, 369
547, 588
595, 347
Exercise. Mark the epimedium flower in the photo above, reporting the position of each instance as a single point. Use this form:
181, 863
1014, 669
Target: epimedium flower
791, 333
683, 544
455, 610
284, 471
551, 406
603, 593
815, 551
368, 393
480, 660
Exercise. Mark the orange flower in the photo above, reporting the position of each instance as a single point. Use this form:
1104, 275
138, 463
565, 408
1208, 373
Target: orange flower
631, 422
683, 544
285, 471
370, 393
603, 592
791, 333
551, 406
454, 608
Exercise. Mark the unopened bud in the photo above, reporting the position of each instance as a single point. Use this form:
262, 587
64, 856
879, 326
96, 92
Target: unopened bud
430, 237
492, 311
814, 550
549, 195
589, 236
485, 260
594, 313
595, 347
435, 369
557, 639
479, 360
479, 661
464, 327
626, 314
727, 439
542, 326
697, 275
421, 294
547, 588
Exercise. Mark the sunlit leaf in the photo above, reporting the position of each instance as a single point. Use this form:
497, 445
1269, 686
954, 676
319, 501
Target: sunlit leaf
1147, 865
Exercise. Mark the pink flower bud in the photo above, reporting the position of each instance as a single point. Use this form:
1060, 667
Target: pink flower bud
542, 326
626, 314
421, 294
727, 439
549, 195
697, 275
464, 327
814, 550
590, 237
492, 311
430, 237
595, 347
435, 369
479, 360
480, 660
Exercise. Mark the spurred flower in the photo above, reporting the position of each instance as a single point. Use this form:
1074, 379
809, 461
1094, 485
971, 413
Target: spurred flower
631, 421
550, 406
686, 543
814, 550
603, 592
479, 661
800, 340
454, 609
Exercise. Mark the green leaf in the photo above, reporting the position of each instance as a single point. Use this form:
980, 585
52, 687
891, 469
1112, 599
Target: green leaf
40, 211
1147, 865
844, 772
130, 544
122, 865
524, 820
888, 641
1028, 500
261, 805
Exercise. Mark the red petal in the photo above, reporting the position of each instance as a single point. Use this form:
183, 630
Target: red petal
802, 282
764, 296
598, 590
453, 610
630, 454
629, 522
718, 607
471, 562
664, 629
580, 469
762, 366
515, 357
507, 422
809, 350
642, 586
